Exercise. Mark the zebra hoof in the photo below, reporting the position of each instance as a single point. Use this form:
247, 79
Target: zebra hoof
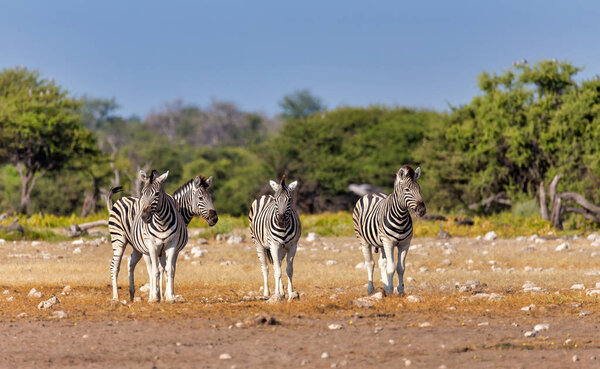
401, 291
370, 288
294, 296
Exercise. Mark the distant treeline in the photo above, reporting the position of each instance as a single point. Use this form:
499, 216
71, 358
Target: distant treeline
526, 125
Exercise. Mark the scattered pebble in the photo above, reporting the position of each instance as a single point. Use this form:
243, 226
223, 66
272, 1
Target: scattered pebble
59, 314
585, 313
225, 356
528, 308
330, 262
412, 298
10, 298
235, 239
334, 326
541, 327
77, 251
530, 334
425, 325
562, 246
575, 358
77, 242
48, 303
578, 287
361, 265
34, 293
407, 362
6, 292
22, 315
325, 355
145, 288
490, 236
312, 237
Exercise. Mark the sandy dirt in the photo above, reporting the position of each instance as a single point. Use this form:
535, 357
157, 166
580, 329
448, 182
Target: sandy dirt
447, 325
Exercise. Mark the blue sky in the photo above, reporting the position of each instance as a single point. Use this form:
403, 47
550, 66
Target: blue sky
423, 54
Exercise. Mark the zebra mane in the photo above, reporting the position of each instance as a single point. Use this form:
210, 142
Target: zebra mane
409, 170
185, 187
153, 175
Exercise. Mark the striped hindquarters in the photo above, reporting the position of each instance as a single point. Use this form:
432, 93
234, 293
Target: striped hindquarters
120, 220
365, 217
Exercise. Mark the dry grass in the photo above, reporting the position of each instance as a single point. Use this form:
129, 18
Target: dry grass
215, 290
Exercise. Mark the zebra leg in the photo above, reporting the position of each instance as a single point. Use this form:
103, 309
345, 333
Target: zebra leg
369, 265
133, 260
264, 266
161, 274
382, 266
402, 251
153, 275
389, 266
280, 257
170, 273
276, 268
290, 272
115, 265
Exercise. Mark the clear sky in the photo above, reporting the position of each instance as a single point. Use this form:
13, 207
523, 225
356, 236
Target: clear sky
414, 53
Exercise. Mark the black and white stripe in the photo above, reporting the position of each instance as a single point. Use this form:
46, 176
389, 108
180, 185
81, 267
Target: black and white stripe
193, 199
275, 229
383, 222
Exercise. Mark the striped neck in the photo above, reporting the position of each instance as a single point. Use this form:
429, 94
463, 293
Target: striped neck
183, 199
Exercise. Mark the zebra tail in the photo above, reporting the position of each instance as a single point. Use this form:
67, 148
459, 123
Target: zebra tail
109, 195
269, 256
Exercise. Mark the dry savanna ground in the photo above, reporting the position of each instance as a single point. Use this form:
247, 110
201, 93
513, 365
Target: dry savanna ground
469, 303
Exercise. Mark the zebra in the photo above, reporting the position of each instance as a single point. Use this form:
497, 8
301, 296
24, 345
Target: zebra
193, 199
383, 222
275, 229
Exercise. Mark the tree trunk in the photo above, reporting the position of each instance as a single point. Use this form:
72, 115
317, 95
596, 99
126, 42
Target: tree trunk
543, 206
556, 213
91, 199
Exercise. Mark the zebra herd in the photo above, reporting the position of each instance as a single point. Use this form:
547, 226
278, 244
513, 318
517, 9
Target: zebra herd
155, 225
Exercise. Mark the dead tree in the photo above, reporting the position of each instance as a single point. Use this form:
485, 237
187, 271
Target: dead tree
13, 227
76, 230
587, 209
499, 198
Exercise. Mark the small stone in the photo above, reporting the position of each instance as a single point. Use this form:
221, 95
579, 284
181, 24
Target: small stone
36, 243
304, 362
575, 358
67, 289
410, 280
578, 287
361, 265
77, 242
10, 298
34, 293
59, 314
334, 326
235, 239
202, 241
528, 308
423, 269
137, 299
88, 336
312, 237
530, 334
391, 342
541, 327
483, 324
325, 355
48, 303
6, 292
563, 246
77, 251
225, 356
22, 315
412, 298
330, 262
585, 313
425, 325
593, 357
490, 236
593, 292
407, 362
145, 288
239, 325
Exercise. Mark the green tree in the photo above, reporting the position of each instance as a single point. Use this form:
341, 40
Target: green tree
41, 128
300, 104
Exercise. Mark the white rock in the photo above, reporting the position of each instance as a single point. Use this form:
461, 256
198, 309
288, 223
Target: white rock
34, 293
521, 239
593, 237
10, 298
541, 327
594, 292
334, 326
478, 238
575, 358
423, 269
412, 298
528, 268
539, 240
235, 239
6, 292
202, 241
578, 286
410, 280
425, 325
198, 252
562, 246
77, 242
22, 315
407, 362
77, 251
36, 243
59, 314
2, 240
361, 265
48, 303
490, 236
145, 288
483, 324
325, 355
67, 289
530, 334
528, 308
330, 262
312, 237
225, 356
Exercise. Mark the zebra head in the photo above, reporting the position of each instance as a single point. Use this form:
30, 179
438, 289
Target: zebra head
408, 189
283, 200
153, 190
202, 203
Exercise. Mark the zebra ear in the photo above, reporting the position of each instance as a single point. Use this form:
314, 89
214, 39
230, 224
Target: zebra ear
274, 185
292, 186
197, 182
209, 182
418, 173
163, 177
142, 176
